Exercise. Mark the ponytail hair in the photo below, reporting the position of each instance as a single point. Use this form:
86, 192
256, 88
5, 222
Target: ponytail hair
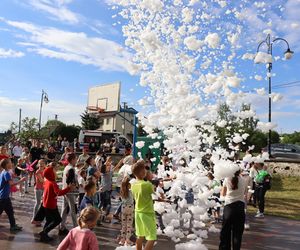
125, 187
88, 216
235, 180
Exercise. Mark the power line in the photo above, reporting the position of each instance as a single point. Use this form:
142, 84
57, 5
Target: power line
286, 84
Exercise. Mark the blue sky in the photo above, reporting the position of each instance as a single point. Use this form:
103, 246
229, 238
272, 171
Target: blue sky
67, 46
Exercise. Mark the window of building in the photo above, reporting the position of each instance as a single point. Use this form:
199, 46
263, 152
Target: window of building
107, 121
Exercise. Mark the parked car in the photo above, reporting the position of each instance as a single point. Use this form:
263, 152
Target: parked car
280, 150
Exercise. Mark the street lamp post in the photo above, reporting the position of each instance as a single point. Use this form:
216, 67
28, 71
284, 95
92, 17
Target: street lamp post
44, 98
288, 55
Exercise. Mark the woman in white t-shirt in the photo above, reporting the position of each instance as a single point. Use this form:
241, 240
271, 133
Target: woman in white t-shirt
234, 189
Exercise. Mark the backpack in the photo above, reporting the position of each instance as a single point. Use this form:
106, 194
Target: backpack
267, 182
263, 178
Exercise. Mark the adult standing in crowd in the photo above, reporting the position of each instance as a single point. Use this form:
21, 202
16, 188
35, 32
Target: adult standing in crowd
17, 152
64, 144
84, 156
76, 145
234, 190
25, 153
263, 184
51, 155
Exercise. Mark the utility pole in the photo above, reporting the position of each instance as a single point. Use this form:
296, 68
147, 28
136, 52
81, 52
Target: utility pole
20, 118
288, 55
124, 107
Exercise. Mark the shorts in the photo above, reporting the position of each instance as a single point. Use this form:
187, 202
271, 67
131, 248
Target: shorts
145, 226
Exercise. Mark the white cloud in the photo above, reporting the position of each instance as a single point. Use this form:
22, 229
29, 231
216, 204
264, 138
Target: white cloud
67, 112
71, 46
9, 53
57, 9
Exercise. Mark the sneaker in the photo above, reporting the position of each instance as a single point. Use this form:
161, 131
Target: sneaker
128, 243
63, 231
247, 226
121, 242
44, 237
15, 228
259, 215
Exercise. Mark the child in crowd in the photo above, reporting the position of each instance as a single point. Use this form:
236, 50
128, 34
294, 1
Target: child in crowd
38, 189
100, 159
17, 174
212, 185
253, 173
124, 167
69, 201
248, 180
15, 178
78, 166
107, 171
81, 182
63, 159
159, 196
127, 212
145, 223
3, 154
51, 191
5, 185
90, 162
82, 237
88, 198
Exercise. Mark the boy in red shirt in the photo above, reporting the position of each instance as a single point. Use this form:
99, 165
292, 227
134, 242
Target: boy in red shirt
51, 191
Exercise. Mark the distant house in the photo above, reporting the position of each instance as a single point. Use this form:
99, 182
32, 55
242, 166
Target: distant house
114, 121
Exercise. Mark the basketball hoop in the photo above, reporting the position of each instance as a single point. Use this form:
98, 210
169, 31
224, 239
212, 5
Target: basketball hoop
95, 109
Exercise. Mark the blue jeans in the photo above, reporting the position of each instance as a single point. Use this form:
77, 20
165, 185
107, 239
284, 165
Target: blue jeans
105, 201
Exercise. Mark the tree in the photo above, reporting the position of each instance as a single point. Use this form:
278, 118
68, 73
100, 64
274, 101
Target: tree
54, 128
29, 129
140, 130
70, 132
258, 139
232, 126
275, 137
89, 122
13, 127
293, 138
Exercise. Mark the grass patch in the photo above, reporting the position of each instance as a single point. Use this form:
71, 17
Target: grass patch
284, 198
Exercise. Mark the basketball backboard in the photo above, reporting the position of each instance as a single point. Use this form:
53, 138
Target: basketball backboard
105, 97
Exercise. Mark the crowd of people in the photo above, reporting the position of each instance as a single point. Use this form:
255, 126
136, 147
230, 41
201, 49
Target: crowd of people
89, 183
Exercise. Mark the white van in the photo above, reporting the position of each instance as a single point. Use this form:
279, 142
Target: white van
99, 137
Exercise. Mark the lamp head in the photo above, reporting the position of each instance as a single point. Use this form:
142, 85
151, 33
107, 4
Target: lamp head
46, 99
288, 54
